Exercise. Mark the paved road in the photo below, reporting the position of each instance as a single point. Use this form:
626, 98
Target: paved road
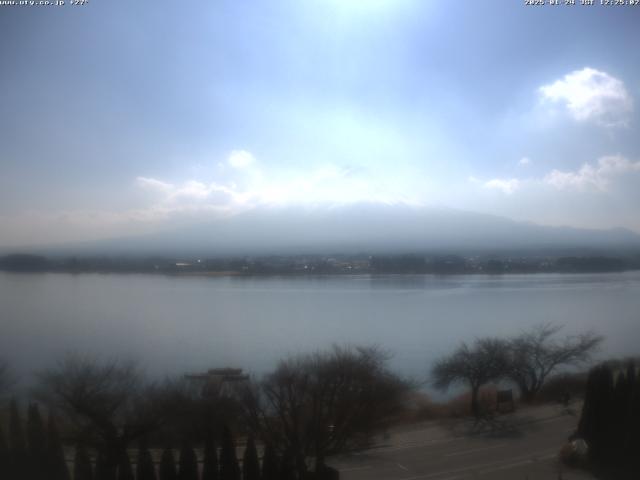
521, 446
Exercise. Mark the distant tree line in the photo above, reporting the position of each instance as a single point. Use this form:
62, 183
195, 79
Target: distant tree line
592, 264
323, 264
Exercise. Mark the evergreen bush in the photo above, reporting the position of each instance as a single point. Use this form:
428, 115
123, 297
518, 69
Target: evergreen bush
229, 468
82, 465
250, 462
168, 465
210, 467
188, 463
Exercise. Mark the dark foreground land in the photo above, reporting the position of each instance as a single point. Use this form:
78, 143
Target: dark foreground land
518, 446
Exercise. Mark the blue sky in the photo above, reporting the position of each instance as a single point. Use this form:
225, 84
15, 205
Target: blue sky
127, 117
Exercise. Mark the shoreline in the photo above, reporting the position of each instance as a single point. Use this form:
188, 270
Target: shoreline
239, 274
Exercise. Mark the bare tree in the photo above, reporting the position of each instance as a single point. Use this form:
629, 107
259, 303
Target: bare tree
323, 403
485, 361
190, 410
107, 402
535, 354
6, 378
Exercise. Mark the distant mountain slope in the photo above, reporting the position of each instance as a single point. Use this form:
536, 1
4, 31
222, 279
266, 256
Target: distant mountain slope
369, 228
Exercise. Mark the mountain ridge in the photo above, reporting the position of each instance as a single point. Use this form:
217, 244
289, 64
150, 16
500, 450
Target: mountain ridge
370, 228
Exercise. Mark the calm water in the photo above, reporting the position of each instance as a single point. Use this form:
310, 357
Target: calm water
172, 325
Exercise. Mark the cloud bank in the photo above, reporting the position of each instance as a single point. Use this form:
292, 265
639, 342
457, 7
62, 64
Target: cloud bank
505, 185
598, 177
247, 184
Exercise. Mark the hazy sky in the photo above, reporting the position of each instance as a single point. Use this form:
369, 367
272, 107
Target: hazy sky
122, 117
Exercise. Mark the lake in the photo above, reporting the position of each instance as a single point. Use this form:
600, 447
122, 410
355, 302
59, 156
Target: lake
185, 324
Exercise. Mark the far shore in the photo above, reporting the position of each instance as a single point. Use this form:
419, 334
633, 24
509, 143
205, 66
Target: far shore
338, 264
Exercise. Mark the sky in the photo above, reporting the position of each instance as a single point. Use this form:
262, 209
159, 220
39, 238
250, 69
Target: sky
121, 118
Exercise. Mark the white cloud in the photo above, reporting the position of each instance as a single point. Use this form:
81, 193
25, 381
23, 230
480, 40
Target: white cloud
154, 185
592, 177
192, 195
246, 185
591, 95
241, 159
505, 185
473, 179
524, 161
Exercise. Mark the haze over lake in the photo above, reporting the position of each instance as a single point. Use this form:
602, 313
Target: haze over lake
178, 324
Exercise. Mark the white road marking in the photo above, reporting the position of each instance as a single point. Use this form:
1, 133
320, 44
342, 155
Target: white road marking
403, 467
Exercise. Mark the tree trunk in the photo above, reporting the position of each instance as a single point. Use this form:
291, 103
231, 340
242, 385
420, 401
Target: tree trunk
475, 404
527, 394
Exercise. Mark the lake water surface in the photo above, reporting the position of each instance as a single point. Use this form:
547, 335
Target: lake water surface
178, 324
